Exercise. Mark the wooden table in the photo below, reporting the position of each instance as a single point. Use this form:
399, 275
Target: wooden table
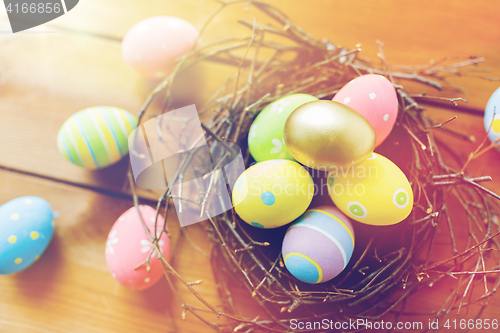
73, 62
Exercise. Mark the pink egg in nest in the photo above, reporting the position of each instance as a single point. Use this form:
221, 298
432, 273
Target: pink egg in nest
151, 45
128, 246
375, 98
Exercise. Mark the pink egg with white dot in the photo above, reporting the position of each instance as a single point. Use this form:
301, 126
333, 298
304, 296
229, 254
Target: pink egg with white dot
128, 247
151, 45
374, 97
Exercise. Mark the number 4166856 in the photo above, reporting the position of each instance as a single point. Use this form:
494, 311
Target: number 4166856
33, 8
477, 324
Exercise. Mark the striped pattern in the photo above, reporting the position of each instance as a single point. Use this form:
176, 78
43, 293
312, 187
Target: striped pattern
331, 227
336, 219
318, 246
96, 137
312, 274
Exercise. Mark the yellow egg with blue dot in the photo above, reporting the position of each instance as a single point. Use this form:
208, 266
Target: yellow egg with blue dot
272, 193
374, 192
96, 137
318, 245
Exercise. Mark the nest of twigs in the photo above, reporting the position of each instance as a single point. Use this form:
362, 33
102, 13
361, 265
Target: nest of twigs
389, 263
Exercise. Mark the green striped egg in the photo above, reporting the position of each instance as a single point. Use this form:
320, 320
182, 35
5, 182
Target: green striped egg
96, 137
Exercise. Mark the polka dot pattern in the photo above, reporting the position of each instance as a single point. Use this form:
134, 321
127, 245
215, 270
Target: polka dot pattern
239, 183
273, 193
377, 192
268, 198
400, 198
375, 98
356, 209
331, 180
25, 233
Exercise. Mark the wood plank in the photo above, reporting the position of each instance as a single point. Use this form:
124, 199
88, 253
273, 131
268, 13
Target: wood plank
45, 78
48, 77
42, 86
70, 289
413, 33
470, 125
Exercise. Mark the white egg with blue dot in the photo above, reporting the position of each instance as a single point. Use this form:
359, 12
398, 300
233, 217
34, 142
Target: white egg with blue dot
492, 117
26, 228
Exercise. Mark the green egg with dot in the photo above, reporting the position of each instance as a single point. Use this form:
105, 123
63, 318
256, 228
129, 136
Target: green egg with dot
272, 193
265, 137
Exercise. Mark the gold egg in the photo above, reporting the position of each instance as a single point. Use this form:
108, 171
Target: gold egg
326, 134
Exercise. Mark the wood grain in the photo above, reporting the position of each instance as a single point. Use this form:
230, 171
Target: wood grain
413, 32
70, 289
46, 77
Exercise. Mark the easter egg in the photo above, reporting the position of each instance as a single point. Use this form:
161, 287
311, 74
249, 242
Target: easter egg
96, 137
26, 228
326, 134
272, 193
318, 245
265, 138
151, 45
128, 246
374, 192
374, 97
492, 124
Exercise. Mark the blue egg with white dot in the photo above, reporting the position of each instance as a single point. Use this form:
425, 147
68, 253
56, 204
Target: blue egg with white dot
26, 228
318, 245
